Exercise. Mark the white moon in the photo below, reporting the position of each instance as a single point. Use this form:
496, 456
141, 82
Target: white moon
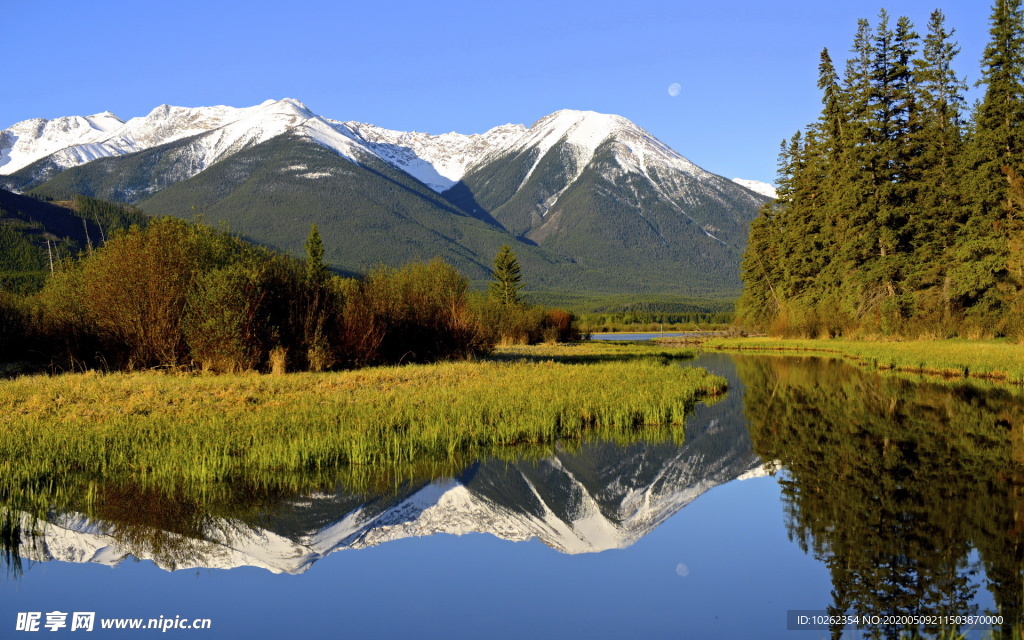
682, 570
674, 89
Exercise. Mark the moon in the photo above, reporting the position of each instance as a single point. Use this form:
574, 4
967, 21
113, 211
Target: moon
674, 89
682, 570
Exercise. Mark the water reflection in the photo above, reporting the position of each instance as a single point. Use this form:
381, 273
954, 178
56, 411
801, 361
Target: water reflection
576, 498
908, 491
892, 482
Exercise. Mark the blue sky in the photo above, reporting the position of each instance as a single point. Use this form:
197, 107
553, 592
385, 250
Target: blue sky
747, 69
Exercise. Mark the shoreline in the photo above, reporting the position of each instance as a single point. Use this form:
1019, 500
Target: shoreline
984, 359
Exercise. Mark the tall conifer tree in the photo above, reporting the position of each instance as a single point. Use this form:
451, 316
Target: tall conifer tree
893, 215
938, 201
507, 277
981, 255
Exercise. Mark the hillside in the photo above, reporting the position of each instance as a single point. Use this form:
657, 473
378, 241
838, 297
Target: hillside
33, 233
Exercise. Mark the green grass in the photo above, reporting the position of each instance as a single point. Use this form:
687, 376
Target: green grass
188, 430
993, 359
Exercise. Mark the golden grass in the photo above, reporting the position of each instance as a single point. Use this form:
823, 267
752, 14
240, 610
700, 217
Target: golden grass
206, 429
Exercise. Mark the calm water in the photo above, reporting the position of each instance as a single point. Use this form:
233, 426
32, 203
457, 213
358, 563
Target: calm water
643, 336
889, 496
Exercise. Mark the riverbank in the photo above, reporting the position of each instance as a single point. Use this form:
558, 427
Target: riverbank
210, 428
988, 359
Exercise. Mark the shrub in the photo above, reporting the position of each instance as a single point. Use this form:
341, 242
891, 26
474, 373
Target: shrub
223, 324
419, 313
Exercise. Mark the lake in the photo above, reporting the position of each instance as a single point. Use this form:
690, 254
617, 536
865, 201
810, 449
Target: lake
647, 335
812, 486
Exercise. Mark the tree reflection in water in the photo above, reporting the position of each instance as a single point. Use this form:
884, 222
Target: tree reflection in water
891, 482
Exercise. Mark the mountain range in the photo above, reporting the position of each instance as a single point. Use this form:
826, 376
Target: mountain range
589, 202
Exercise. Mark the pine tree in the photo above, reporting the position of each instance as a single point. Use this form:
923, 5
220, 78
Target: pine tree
314, 313
892, 214
1014, 317
999, 137
316, 268
763, 268
507, 277
855, 216
981, 253
938, 202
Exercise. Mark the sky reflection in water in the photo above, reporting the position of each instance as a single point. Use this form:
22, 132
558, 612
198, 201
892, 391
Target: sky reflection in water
722, 566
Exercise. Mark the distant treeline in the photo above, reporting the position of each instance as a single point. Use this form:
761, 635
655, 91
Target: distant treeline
181, 295
598, 320
900, 210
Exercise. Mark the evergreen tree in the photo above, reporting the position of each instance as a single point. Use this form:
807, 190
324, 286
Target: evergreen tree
893, 216
763, 268
979, 278
939, 209
507, 277
998, 137
316, 268
855, 216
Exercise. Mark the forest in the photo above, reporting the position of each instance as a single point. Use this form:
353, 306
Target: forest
900, 208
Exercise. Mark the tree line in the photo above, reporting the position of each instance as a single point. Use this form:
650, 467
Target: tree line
182, 295
900, 208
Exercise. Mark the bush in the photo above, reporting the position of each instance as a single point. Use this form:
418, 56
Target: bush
519, 324
222, 326
419, 313
181, 295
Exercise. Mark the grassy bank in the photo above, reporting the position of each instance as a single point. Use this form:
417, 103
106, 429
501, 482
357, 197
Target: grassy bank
196, 428
993, 359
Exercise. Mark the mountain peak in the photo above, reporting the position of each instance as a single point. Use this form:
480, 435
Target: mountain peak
290, 105
757, 186
584, 128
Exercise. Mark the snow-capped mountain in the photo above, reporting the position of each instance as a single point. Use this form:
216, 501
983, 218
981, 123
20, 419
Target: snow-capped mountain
583, 197
756, 186
31, 140
439, 161
212, 133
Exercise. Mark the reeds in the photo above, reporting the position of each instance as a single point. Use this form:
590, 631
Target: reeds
207, 429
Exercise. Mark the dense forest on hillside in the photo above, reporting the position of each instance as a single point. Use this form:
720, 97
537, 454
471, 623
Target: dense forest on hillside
900, 209
36, 235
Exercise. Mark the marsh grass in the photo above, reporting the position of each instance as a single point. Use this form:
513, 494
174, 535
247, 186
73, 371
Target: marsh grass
989, 359
171, 430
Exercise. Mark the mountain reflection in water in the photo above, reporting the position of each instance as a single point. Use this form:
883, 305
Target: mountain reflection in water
909, 491
584, 498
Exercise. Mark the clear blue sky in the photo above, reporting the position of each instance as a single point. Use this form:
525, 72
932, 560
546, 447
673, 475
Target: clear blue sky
747, 69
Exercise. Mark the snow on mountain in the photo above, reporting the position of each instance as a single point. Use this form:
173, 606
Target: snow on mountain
763, 188
438, 161
446, 506
29, 140
220, 131
585, 131
73, 537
